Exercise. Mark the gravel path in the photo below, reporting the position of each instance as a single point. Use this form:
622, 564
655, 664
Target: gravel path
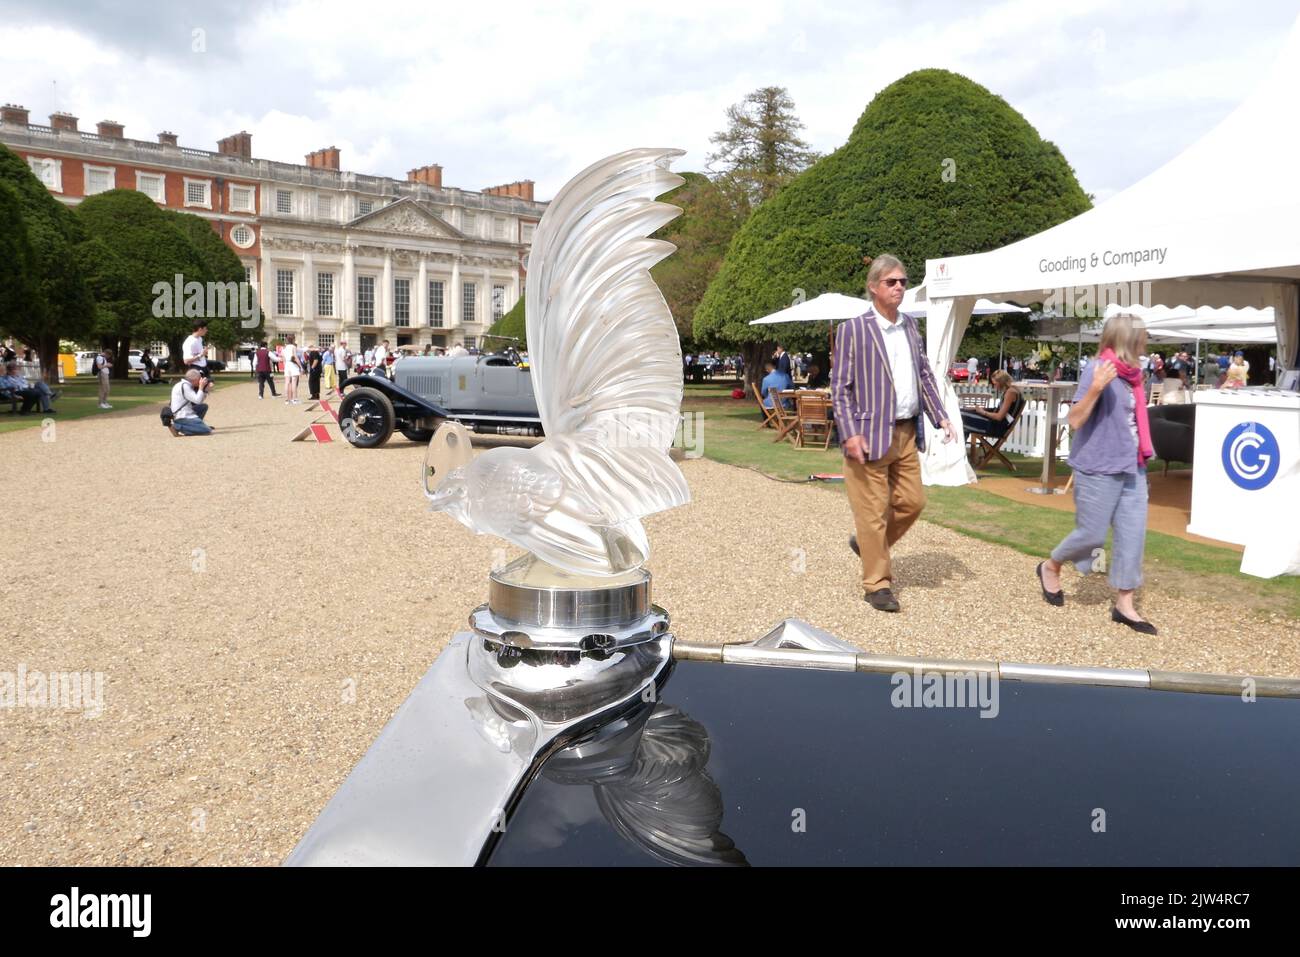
258, 609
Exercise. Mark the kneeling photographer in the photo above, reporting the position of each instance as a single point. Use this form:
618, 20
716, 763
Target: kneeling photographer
189, 405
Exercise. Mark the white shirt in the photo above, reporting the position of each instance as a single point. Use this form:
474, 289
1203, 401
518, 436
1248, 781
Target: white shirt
193, 349
457, 351
340, 356
380, 355
182, 394
908, 404
972, 365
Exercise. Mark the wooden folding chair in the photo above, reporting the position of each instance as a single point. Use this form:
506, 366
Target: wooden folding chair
814, 421
769, 415
786, 422
983, 450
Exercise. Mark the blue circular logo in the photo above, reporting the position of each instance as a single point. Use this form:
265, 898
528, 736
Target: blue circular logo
1251, 456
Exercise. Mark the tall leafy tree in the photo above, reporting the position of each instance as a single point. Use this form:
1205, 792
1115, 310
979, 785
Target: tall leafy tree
711, 214
138, 246
54, 302
935, 166
219, 265
761, 150
17, 260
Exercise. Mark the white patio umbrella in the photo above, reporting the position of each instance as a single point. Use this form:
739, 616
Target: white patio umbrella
828, 307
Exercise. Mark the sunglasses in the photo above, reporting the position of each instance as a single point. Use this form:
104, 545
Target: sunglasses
895, 282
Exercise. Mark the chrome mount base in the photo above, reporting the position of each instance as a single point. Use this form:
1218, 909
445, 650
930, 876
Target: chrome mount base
552, 659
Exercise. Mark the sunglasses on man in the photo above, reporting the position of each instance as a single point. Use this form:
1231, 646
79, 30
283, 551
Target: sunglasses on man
895, 282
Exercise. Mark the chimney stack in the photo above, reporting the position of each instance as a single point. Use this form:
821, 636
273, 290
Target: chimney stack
63, 121
167, 138
237, 144
520, 189
109, 129
327, 158
13, 115
430, 175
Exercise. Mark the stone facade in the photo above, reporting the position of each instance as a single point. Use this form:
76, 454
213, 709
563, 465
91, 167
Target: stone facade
332, 253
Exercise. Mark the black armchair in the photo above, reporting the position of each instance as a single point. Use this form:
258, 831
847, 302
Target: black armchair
1173, 432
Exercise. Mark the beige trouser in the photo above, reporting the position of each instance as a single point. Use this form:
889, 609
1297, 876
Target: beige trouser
103, 386
886, 497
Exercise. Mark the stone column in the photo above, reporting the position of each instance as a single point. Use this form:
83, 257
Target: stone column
386, 314
420, 319
485, 311
307, 305
266, 293
452, 299
348, 295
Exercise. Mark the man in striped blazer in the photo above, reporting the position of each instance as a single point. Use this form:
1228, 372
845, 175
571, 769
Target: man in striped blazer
881, 382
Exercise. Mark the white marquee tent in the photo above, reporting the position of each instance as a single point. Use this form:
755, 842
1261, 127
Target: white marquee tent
1216, 226
1173, 325
836, 307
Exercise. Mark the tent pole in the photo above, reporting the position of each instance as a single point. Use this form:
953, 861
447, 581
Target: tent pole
1197, 377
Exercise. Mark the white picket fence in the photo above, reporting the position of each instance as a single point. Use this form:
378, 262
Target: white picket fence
1029, 434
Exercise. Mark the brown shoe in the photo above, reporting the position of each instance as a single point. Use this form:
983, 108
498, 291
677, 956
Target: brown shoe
882, 600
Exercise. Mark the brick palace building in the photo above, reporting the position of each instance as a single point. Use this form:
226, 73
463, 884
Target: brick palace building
330, 252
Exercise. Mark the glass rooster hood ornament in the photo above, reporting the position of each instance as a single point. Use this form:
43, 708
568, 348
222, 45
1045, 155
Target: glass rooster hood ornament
607, 373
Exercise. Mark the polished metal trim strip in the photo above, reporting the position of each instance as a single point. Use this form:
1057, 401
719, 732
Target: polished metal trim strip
740, 654
695, 651
1074, 674
890, 664
1262, 687
744, 653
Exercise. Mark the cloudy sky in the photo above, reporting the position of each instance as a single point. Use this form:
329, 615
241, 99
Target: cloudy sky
501, 90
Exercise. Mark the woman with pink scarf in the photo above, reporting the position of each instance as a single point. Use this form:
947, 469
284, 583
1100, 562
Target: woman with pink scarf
1109, 452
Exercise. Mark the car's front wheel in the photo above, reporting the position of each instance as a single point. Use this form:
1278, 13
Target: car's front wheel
367, 418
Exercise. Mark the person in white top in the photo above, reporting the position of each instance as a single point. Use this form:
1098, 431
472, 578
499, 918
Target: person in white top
292, 369
340, 363
381, 356
972, 370
457, 351
193, 352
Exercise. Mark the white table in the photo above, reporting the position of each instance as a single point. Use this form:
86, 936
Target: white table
1051, 393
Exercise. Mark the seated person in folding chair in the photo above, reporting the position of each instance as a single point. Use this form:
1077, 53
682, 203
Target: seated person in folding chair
773, 380
997, 422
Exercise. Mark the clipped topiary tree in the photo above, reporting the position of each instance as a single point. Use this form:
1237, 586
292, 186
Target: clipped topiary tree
220, 265
935, 166
138, 245
512, 325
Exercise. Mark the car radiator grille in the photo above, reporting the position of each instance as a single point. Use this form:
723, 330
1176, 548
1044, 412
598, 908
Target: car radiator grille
427, 386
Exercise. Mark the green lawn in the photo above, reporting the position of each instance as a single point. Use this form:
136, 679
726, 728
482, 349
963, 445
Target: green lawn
731, 434
79, 398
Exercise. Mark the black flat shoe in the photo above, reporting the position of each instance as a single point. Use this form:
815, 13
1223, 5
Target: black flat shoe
1145, 627
1056, 598
853, 544
882, 600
